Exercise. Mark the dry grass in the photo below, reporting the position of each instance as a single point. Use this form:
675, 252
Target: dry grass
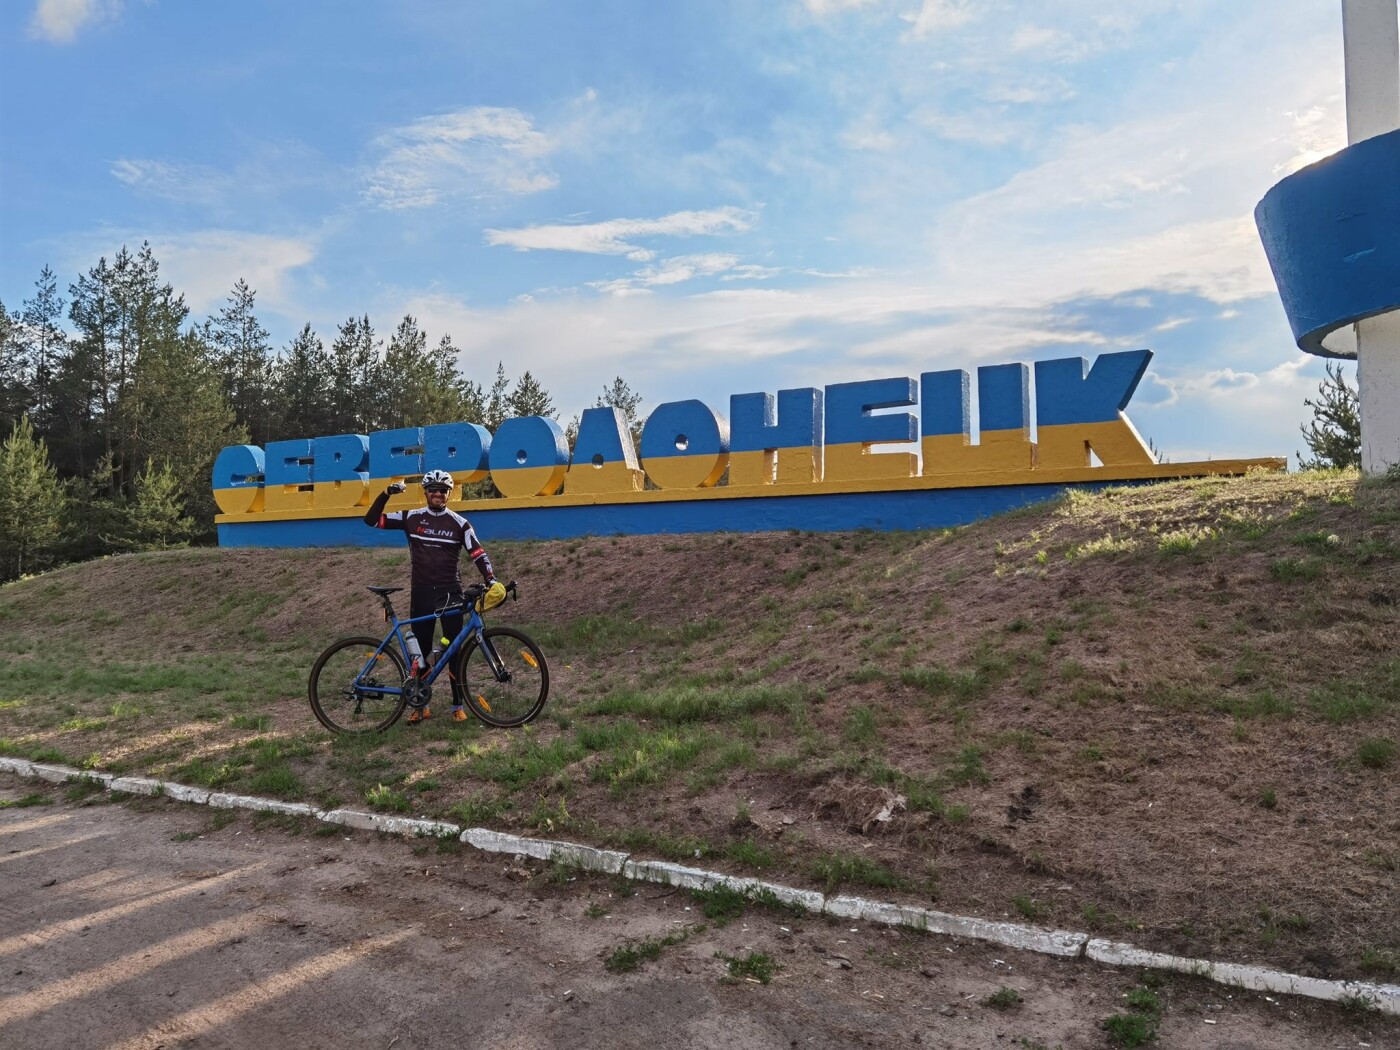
1159, 712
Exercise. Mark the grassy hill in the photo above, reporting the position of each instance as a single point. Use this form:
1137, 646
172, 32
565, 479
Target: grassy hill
1167, 714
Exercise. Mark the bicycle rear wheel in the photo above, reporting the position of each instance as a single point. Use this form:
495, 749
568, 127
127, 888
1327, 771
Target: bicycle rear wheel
347, 686
505, 677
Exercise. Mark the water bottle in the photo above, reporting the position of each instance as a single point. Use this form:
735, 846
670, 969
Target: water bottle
414, 650
436, 654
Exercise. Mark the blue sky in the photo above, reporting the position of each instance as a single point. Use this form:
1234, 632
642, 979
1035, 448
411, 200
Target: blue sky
704, 198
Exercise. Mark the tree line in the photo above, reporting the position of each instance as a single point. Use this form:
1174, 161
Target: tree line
112, 420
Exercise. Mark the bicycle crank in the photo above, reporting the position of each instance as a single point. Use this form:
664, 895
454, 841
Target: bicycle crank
417, 692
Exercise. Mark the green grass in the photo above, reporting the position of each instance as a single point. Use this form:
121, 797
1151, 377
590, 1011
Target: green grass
1028, 907
526, 761
861, 728
1296, 570
755, 966
479, 809
381, 797
206, 772
1183, 541
721, 904
940, 682
836, 869
1342, 702
650, 758
1003, 998
1384, 962
277, 781
1376, 752
748, 853
687, 703
1263, 704
1138, 1025
969, 768
630, 957
25, 801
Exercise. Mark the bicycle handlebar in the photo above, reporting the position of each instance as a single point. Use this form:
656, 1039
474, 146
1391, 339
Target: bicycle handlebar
472, 593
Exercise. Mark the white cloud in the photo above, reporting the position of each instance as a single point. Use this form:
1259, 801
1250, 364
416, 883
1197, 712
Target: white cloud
1160, 201
675, 270
1028, 90
938, 16
475, 152
825, 8
60, 21
191, 183
205, 265
260, 170
616, 236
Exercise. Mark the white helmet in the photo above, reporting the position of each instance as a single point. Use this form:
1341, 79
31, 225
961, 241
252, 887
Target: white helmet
438, 477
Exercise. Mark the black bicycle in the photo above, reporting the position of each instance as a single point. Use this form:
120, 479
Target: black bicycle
362, 685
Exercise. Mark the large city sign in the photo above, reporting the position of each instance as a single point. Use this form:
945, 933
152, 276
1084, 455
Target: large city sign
814, 459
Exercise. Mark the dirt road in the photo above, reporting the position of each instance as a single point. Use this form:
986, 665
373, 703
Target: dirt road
154, 924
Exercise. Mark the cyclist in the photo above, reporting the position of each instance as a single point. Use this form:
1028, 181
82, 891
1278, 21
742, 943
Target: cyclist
436, 538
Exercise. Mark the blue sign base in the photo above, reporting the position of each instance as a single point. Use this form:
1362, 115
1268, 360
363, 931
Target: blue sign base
836, 512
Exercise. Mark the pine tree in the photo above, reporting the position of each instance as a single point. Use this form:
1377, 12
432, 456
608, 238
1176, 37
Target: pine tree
302, 394
355, 379
185, 421
529, 398
621, 396
409, 377
15, 391
82, 396
1334, 434
155, 517
461, 399
244, 359
31, 504
121, 312
497, 402
47, 345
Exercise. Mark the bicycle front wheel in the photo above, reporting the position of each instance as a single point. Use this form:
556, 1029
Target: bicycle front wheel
357, 688
504, 676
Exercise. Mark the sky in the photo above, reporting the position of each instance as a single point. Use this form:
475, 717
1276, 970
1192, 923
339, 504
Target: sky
704, 198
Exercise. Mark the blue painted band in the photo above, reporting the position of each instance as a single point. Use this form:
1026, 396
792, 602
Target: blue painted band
928, 509
1332, 235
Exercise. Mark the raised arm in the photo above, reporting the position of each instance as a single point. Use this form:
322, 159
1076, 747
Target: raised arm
375, 516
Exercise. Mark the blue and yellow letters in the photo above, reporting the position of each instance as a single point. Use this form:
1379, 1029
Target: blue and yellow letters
771, 455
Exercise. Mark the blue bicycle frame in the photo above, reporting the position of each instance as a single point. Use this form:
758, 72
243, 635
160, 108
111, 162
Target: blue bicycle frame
472, 628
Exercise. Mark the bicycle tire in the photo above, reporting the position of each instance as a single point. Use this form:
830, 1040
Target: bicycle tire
335, 701
504, 705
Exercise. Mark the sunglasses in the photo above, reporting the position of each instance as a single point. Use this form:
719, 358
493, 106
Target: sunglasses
442, 490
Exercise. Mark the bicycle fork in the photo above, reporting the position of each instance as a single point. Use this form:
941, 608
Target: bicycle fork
493, 659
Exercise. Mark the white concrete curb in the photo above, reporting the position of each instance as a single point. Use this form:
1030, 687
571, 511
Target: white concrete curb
699, 879
137, 786
352, 818
1065, 943
1010, 934
266, 805
1386, 997
606, 861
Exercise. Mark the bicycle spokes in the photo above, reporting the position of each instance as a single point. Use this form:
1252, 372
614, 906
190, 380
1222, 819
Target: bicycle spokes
506, 677
356, 687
